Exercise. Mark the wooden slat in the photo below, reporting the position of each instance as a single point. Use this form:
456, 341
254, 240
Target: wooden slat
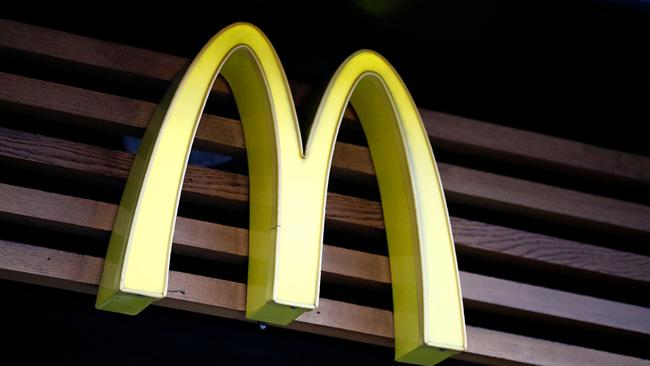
83, 158
214, 185
535, 301
462, 185
218, 241
542, 249
197, 238
534, 149
450, 132
212, 296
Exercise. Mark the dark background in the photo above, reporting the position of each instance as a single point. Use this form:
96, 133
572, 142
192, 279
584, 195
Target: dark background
62, 327
576, 69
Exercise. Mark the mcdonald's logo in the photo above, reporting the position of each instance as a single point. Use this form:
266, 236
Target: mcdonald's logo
288, 188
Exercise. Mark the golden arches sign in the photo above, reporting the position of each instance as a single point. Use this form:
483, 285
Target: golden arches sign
288, 188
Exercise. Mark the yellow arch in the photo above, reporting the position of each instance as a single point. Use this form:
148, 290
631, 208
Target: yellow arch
288, 188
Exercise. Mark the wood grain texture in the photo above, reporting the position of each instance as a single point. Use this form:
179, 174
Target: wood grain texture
209, 185
354, 267
463, 185
54, 268
451, 132
197, 238
223, 188
488, 239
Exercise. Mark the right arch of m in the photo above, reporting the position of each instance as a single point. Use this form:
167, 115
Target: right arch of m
288, 189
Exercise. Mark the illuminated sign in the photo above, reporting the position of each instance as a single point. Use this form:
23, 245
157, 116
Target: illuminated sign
288, 189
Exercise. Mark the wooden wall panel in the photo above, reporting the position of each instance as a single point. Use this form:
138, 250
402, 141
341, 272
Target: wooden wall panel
212, 296
461, 184
219, 241
485, 138
78, 158
51, 130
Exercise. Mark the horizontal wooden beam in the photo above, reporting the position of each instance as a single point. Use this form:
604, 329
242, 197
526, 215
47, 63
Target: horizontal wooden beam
213, 185
75, 272
461, 184
451, 132
210, 240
